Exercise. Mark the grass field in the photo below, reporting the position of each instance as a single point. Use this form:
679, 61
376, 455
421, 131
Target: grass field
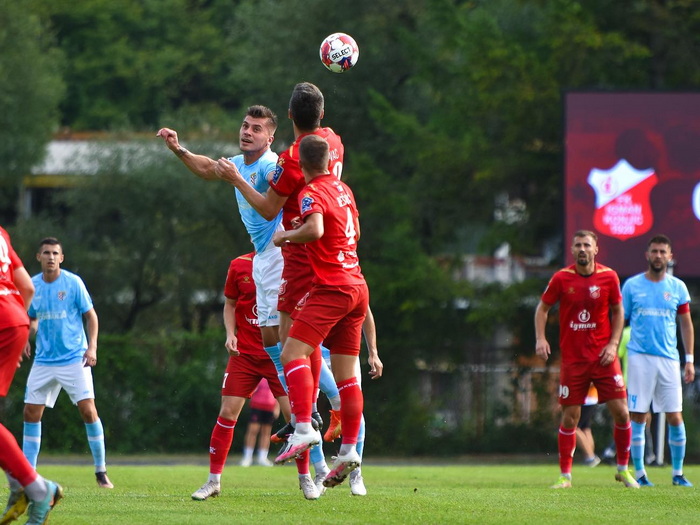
417, 494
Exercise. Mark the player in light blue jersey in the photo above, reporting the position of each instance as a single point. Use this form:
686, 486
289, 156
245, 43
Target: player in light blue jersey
64, 354
653, 300
255, 165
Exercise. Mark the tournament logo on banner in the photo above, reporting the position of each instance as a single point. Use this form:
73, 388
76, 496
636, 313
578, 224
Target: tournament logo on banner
623, 207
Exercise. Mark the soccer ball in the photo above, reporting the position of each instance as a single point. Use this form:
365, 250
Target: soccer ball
339, 52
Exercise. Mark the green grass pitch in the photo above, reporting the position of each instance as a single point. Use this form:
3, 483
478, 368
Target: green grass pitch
402, 493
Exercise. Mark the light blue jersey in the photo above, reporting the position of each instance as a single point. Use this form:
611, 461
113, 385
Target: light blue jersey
259, 229
59, 307
651, 308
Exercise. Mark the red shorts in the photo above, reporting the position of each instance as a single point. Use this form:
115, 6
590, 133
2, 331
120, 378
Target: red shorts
297, 276
576, 378
244, 372
333, 315
12, 342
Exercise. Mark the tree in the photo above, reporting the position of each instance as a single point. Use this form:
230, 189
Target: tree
30, 89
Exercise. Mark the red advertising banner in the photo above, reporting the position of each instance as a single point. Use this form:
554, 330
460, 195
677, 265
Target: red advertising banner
632, 171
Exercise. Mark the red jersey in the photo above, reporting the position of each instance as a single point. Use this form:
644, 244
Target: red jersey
12, 308
288, 180
584, 310
333, 257
241, 288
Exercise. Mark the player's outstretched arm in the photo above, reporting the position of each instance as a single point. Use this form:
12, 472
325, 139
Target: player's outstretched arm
200, 165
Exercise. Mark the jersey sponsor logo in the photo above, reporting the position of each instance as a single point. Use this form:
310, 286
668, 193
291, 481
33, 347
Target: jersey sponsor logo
51, 316
594, 291
253, 320
584, 316
306, 203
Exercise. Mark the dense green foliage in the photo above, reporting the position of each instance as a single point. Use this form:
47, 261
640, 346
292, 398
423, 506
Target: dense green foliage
452, 126
30, 88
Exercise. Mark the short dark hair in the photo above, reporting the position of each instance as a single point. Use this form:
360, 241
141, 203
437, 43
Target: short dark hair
586, 233
659, 239
313, 153
51, 241
263, 112
306, 106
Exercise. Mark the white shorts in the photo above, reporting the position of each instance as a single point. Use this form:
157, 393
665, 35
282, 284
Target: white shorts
45, 382
651, 378
267, 274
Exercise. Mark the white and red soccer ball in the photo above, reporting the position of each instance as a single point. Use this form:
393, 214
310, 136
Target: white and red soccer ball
339, 52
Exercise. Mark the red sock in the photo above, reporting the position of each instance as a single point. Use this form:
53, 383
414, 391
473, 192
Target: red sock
13, 461
303, 463
567, 445
220, 444
300, 385
623, 441
351, 406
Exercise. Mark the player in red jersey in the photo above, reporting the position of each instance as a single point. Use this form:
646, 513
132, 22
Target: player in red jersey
306, 110
591, 319
27, 487
333, 311
248, 363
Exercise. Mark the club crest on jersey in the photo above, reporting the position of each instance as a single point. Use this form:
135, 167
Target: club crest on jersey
61, 295
306, 202
667, 296
253, 179
278, 172
594, 291
619, 381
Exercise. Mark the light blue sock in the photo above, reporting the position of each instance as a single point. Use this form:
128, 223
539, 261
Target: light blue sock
637, 448
361, 437
327, 382
676, 443
275, 352
316, 456
96, 440
31, 442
